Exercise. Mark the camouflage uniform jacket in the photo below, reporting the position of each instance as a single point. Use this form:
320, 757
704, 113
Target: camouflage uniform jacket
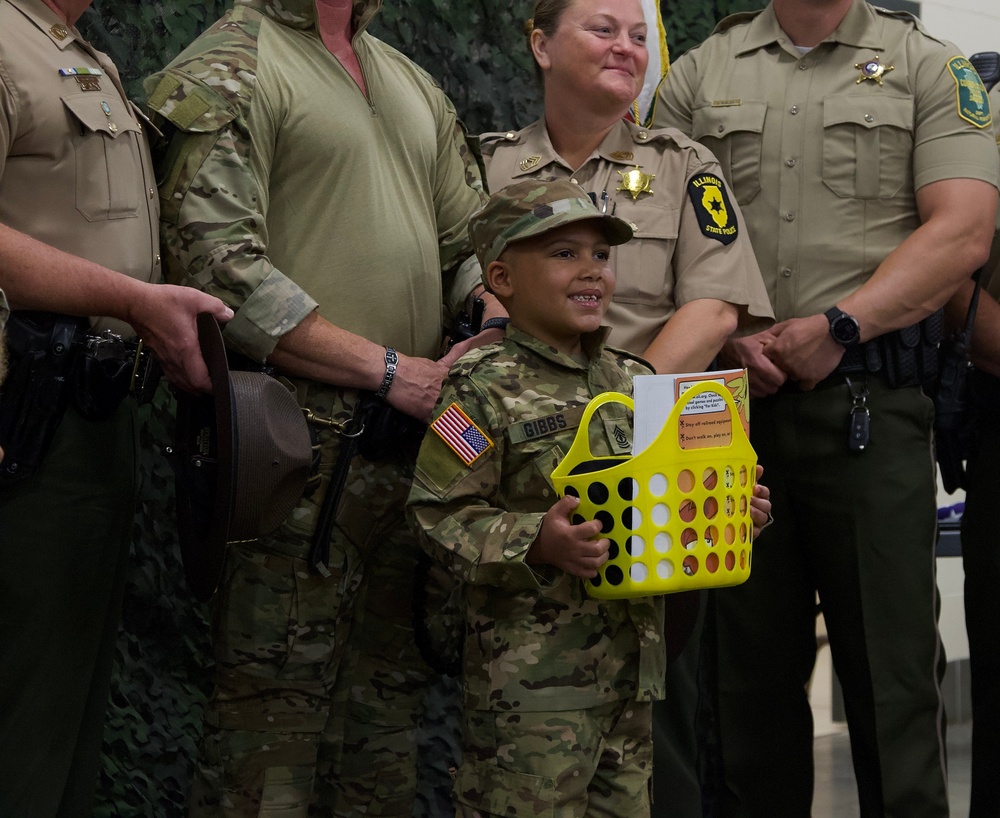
286, 189
534, 639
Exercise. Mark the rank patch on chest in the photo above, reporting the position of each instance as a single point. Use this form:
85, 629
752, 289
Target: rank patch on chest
461, 435
715, 214
971, 96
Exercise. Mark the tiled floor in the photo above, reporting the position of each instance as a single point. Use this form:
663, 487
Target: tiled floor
836, 797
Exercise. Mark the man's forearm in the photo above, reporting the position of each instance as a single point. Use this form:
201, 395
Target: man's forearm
321, 351
920, 275
36, 276
693, 336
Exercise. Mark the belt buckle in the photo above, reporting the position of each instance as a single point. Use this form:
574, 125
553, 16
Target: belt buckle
145, 374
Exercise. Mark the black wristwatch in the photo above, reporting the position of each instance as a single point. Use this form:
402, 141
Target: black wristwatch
844, 328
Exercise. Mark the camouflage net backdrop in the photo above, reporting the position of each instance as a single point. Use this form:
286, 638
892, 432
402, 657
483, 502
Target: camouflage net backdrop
476, 49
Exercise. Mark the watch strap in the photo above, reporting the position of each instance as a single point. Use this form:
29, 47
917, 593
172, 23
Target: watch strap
495, 323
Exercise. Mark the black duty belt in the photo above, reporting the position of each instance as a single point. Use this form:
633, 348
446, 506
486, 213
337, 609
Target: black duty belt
904, 357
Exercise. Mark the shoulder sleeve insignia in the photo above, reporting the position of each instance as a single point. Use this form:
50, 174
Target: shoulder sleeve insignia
972, 99
711, 205
461, 435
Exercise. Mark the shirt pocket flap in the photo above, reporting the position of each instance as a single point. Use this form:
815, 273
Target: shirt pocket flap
718, 120
650, 219
868, 113
101, 114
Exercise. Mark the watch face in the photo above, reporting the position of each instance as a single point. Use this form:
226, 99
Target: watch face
845, 330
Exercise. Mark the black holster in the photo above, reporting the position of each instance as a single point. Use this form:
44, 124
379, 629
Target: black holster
43, 348
390, 435
55, 363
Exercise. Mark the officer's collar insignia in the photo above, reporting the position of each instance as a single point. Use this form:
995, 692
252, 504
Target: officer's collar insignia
873, 70
635, 182
529, 163
59, 31
623, 156
972, 98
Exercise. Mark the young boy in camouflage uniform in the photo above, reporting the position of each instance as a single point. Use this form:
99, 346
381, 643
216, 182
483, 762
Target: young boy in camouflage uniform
557, 686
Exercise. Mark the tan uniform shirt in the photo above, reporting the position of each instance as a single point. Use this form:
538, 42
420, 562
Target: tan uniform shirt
75, 171
824, 159
672, 259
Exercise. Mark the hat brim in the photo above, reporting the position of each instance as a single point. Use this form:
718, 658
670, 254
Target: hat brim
244, 457
204, 471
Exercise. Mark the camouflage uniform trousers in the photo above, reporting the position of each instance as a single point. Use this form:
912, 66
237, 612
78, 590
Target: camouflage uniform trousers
564, 764
280, 634
380, 693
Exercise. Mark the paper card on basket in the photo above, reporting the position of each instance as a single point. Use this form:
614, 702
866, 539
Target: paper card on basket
704, 422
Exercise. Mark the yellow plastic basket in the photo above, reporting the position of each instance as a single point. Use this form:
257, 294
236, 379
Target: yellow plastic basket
678, 519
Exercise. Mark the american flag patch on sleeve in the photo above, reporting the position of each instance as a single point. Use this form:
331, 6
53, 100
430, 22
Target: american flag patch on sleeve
463, 437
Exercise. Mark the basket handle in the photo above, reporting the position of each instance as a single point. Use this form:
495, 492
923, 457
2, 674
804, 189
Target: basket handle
673, 419
580, 449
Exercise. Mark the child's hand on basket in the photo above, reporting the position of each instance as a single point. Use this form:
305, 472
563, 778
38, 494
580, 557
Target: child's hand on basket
760, 505
569, 547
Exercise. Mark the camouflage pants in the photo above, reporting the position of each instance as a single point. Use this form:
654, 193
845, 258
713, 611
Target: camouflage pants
290, 688
566, 764
379, 695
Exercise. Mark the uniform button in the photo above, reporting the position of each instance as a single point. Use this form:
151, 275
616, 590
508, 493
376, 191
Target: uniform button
643, 135
789, 217
152, 193
786, 273
790, 162
157, 258
869, 118
574, 181
722, 128
803, 66
510, 135
793, 110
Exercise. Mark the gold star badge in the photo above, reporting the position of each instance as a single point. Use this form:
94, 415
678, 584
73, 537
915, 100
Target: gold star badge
529, 163
635, 182
872, 70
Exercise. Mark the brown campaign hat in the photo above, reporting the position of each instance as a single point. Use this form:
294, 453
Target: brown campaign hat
244, 455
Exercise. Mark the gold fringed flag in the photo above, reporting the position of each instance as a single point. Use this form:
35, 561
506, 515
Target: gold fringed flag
659, 64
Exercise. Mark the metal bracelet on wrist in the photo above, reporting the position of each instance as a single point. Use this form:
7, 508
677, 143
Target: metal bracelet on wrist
391, 360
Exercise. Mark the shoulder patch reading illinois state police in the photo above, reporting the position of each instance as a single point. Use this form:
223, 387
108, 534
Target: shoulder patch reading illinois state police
972, 97
711, 204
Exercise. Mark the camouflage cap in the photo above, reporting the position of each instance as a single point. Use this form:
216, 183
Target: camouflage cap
533, 207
